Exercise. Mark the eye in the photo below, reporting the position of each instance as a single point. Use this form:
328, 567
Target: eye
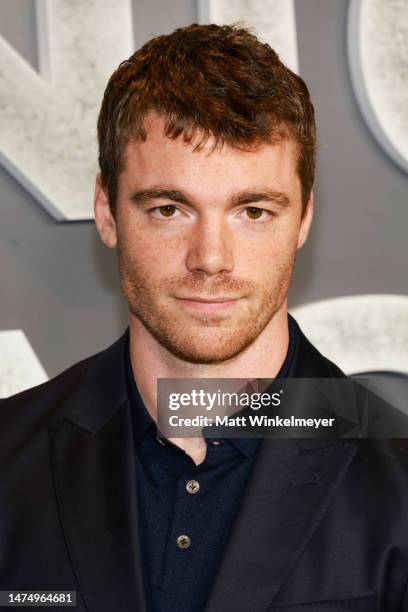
254, 213
166, 211
260, 216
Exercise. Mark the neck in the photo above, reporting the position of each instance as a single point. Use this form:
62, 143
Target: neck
150, 360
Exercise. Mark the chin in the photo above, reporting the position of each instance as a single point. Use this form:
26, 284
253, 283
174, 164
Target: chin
203, 357
202, 340
213, 349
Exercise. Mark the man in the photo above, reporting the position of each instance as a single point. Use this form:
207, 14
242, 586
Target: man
207, 150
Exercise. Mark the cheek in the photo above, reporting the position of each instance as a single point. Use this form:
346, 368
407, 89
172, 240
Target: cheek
277, 248
147, 254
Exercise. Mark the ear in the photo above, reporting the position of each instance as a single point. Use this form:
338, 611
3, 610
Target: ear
305, 223
105, 221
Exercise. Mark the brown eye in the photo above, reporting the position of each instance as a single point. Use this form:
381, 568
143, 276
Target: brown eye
254, 213
167, 211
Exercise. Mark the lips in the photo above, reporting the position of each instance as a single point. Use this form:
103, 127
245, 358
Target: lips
207, 305
209, 300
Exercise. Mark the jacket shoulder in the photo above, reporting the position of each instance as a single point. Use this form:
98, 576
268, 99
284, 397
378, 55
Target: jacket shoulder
308, 362
48, 400
37, 405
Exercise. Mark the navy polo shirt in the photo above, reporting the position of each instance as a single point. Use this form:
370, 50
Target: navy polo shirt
186, 511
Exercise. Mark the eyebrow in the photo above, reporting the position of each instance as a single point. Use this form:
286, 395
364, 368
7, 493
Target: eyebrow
144, 196
264, 195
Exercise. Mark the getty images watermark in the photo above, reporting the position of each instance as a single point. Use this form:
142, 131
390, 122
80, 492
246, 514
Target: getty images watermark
289, 408
227, 400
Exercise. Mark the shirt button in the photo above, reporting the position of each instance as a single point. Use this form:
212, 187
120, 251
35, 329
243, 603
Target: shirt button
193, 486
183, 541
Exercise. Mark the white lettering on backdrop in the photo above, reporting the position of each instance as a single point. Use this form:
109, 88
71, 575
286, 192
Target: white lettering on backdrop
48, 120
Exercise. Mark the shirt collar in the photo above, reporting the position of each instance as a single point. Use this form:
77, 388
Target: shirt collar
143, 422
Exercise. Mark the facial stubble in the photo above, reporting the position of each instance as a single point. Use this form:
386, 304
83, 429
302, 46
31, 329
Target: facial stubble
198, 338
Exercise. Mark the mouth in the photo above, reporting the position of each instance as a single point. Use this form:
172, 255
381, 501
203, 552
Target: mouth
207, 305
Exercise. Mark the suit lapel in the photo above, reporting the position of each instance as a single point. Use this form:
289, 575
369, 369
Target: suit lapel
289, 492
92, 456
291, 486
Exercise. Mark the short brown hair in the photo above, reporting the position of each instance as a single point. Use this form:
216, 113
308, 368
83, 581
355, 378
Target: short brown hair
218, 81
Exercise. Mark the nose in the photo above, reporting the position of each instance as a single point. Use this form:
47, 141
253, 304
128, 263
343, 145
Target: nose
210, 247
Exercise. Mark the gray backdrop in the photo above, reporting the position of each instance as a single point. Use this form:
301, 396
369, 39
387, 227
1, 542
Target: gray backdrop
58, 282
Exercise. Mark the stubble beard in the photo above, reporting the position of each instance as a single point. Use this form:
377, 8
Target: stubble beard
200, 339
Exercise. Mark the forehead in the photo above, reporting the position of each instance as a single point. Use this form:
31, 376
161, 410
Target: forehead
167, 161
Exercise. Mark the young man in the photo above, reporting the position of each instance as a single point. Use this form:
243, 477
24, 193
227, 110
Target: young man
207, 152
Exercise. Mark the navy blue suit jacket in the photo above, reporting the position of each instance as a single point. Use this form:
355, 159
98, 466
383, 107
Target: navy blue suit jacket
323, 525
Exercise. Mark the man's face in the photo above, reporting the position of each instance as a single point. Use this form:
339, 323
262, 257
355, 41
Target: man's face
193, 227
